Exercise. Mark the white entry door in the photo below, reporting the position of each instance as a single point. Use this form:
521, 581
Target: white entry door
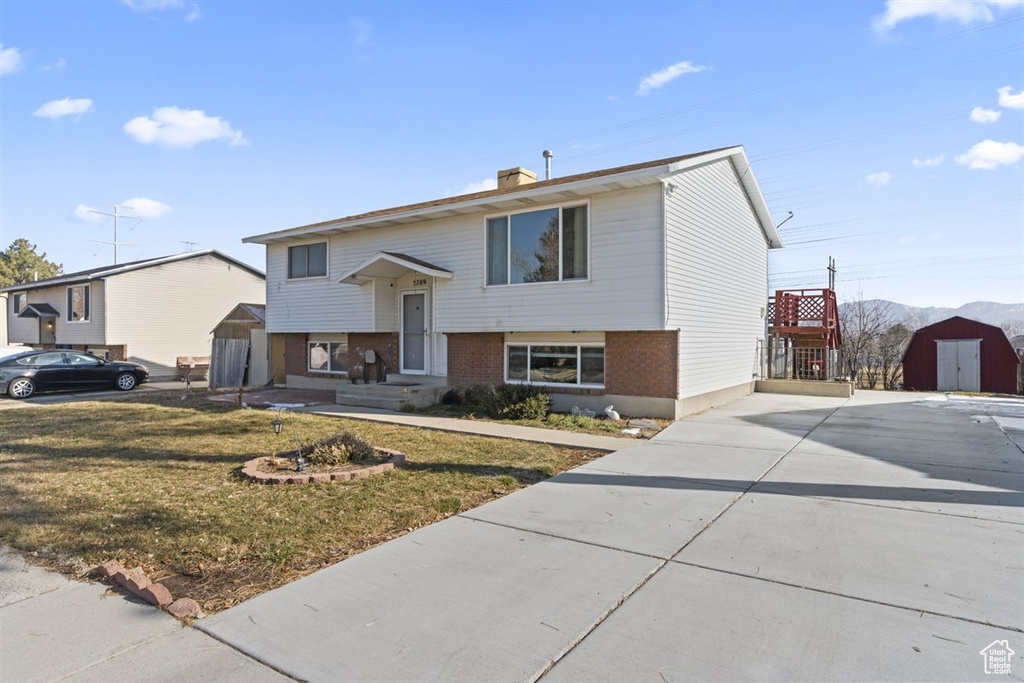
959, 365
413, 348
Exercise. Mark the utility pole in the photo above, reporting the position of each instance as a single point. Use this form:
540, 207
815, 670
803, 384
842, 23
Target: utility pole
115, 215
831, 273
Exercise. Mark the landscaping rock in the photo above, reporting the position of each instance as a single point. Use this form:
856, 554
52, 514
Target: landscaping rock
157, 594
184, 608
133, 580
644, 423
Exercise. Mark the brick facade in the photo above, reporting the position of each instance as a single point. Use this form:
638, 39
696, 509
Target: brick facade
642, 363
635, 363
295, 354
380, 342
476, 358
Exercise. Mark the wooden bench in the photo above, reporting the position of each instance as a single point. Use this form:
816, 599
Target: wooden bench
193, 368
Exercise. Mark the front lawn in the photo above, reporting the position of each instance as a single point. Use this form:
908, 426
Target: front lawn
152, 481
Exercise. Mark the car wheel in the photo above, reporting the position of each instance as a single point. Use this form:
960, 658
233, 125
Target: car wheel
22, 387
126, 381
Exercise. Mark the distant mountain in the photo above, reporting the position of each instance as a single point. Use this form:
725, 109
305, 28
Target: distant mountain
982, 311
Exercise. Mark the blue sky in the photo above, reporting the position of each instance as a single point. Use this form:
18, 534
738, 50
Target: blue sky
893, 131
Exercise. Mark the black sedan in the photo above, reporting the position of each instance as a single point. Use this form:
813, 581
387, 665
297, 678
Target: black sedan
23, 374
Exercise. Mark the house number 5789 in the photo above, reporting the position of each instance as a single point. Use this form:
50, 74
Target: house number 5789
419, 283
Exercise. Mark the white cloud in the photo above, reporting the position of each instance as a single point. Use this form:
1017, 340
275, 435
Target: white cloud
906, 240
878, 179
194, 14
56, 66
660, 78
362, 32
982, 115
10, 60
930, 161
988, 155
174, 127
142, 207
136, 207
67, 107
480, 186
153, 5
964, 12
1010, 99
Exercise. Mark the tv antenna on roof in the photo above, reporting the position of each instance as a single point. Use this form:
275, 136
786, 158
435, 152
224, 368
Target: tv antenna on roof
189, 246
116, 215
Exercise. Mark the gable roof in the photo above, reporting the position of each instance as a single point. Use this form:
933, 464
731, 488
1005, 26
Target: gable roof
521, 197
104, 272
39, 311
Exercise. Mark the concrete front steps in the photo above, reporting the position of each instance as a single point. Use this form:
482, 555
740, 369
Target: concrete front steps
417, 390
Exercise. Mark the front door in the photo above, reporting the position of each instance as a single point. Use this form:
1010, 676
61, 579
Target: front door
413, 347
47, 331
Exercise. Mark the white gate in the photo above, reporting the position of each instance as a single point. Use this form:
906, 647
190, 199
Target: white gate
259, 358
959, 365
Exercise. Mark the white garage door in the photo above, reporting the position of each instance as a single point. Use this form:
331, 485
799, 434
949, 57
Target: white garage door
959, 364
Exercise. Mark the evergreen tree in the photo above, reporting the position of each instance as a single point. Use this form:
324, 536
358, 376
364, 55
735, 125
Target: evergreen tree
21, 264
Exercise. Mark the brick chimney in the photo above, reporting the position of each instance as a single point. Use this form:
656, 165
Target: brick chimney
514, 177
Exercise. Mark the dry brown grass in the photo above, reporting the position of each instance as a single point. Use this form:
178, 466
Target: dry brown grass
152, 481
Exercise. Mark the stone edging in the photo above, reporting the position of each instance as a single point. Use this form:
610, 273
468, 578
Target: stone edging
138, 584
251, 471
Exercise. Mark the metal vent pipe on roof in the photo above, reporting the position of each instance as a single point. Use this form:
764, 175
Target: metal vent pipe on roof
547, 164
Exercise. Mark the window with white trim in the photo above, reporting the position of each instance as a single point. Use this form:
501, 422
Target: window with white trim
555, 364
307, 260
548, 245
78, 304
328, 356
19, 302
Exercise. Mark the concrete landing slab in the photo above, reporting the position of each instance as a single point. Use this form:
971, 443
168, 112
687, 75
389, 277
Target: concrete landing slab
691, 624
736, 435
973, 567
459, 601
641, 514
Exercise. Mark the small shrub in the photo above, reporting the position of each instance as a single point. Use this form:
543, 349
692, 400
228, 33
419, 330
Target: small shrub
478, 398
452, 397
562, 421
519, 402
340, 448
407, 407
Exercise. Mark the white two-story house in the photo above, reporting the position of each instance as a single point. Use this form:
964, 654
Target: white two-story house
641, 286
149, 311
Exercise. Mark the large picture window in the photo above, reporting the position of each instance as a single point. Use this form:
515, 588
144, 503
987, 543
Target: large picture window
78, 304
554, 364
328, 356
307, 260
538, 246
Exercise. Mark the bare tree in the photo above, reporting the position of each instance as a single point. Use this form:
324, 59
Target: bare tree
862, 323
891, 346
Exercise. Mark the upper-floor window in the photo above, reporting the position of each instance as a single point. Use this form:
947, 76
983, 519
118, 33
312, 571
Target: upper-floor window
538, 246
307, 260
19, 302
78, 304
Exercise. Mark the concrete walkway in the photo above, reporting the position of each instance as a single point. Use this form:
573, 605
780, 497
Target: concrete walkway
480, 427
776, 538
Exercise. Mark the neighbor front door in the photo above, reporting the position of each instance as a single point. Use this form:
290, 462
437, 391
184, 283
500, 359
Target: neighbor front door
413, 346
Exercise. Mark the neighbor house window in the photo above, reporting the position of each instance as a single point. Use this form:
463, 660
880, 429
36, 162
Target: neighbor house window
538, 246
307, 260
328, 356
19, 302
554, 364
78, 304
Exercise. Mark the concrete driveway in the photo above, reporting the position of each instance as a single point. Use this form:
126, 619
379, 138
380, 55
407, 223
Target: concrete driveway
775, 538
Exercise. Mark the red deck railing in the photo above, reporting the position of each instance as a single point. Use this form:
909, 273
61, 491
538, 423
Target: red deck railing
806, 312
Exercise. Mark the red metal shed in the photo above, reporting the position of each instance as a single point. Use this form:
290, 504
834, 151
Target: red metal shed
958, 354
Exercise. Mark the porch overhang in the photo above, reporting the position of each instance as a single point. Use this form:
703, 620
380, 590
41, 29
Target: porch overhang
391, 265
39, 311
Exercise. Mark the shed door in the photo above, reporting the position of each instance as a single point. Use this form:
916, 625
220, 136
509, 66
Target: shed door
959, 365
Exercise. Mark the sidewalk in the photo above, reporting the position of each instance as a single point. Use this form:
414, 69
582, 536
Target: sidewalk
778, 537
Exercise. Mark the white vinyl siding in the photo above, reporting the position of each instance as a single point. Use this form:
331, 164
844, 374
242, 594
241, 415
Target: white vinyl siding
26, 330
623, 291
170, 310
716, 278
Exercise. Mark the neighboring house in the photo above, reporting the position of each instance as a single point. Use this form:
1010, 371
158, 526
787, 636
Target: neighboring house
641, 286
148, 311
3, 323
958, 354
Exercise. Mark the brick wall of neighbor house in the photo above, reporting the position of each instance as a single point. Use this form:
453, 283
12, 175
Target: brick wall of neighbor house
295, 354
476, 358
359, 342
642, 363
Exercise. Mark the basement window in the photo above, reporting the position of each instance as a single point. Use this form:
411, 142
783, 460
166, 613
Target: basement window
548, 245
554, 365
307, 260
328, 356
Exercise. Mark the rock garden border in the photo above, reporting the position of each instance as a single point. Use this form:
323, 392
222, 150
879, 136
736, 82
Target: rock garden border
251, 470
